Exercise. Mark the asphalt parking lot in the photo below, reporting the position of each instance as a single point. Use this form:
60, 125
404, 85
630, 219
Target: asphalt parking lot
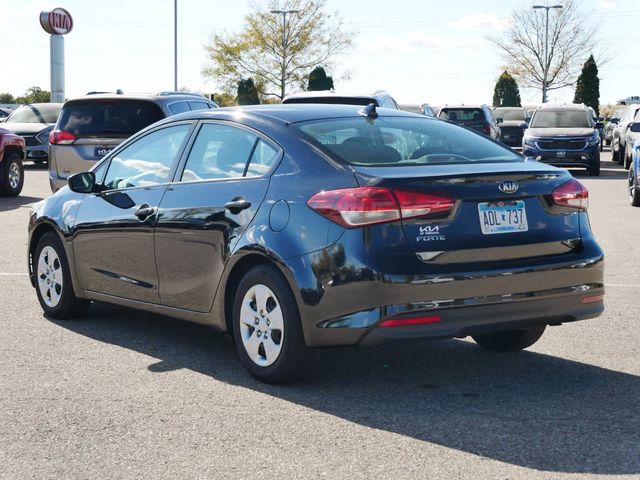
124, 394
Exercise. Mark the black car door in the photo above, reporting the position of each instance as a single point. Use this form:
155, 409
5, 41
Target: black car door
113, 242
217, 191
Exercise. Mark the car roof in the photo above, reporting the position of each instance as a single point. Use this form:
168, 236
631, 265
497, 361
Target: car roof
288, 113
332, 94
463, 105
562, 106
140, 96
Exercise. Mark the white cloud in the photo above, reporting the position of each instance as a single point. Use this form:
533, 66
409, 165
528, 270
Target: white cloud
608, 4
420, 41
482, 20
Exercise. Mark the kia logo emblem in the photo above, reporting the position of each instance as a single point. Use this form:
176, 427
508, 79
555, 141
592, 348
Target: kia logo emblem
57, 21
510, 186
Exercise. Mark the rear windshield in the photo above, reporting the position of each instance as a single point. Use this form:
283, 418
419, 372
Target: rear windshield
398, 141
509, 113
561, 119
117, 119
333, 100
464, 116
35, 114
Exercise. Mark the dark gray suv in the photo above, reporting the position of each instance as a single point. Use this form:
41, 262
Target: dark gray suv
89, 127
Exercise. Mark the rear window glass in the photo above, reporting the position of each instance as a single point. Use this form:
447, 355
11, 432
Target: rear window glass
395, 141
35, 114
561, 119
465, 116
117, 119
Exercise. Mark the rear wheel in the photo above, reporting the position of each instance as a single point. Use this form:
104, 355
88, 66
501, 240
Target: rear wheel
634, 189
13, 175
615, 153
627, 159
53, 280
266, 327
510, 340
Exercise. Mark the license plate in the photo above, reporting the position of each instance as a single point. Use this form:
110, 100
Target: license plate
562, 154
506, 137
102, 151
503, 217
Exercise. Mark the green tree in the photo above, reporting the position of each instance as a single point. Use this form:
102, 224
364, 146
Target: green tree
224, 99
588, 86
247, 92
35, 95
7, 98
277, 50
318, 80
506, 93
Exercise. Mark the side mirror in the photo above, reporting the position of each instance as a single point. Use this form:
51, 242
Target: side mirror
499, 120
599, 125
83, 182
635, 127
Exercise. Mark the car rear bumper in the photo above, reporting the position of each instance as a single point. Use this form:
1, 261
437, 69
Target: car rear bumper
38, 152
340, 307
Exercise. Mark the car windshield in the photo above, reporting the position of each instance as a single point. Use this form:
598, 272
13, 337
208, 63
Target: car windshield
401, 141
35, 114
561, 119
464, 116
509, 113
108, 118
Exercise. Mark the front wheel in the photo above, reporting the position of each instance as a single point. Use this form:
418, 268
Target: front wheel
266, 327
13, 175
634, 189
615, 153
594, 168
627, 159
53, 280
510, 340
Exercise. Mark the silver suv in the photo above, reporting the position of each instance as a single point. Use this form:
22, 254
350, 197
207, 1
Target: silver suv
89, 127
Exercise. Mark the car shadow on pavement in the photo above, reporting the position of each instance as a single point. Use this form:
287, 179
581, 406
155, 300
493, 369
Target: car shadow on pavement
527, 409
11, 203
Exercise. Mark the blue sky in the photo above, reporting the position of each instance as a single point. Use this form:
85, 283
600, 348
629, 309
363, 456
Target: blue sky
419, 51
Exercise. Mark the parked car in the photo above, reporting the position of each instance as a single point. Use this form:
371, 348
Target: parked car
619, 136
599, 125
12, 152
33, 122
634, 169
427, 110
611, 124
565, 136
295, 226
475, 117
91, 126
379, 98
513, 121
4, 113
631, 136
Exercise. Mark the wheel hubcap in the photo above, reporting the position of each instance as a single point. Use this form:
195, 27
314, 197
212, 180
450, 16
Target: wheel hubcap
261, 325
14, 175
50, 276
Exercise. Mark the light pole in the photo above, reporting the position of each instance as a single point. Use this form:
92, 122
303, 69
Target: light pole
175, 45
546, 50
283, 70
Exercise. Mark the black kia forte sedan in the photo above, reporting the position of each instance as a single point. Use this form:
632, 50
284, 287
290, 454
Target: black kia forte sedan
300, 226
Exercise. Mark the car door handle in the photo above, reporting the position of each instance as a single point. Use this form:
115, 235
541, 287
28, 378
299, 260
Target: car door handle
237, 205
144, 211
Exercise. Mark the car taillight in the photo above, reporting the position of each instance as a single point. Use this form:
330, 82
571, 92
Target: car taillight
362, 206
60, 137
571, 194
486, 129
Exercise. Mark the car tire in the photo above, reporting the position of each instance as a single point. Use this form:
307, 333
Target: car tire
13, 175
266, 327
53, 280
634, 189
627, 160
510, 340
614, 153
594, 168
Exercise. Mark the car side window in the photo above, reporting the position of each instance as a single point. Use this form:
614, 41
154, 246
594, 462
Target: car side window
179, 107
148, 160
263, 158
388, 103
219, 152
199, 105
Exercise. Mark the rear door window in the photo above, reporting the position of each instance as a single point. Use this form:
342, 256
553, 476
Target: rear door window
179, 107
110, 118
199, 105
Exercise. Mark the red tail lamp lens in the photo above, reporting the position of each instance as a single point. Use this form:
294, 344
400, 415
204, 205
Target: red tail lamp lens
401, 322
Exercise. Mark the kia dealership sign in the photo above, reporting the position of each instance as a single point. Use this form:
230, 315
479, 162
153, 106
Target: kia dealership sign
56, 22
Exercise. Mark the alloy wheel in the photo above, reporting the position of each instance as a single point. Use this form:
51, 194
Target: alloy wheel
50, 278
14, 175
261, 325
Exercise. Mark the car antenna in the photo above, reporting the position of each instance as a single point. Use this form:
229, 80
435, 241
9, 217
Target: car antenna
369, 111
